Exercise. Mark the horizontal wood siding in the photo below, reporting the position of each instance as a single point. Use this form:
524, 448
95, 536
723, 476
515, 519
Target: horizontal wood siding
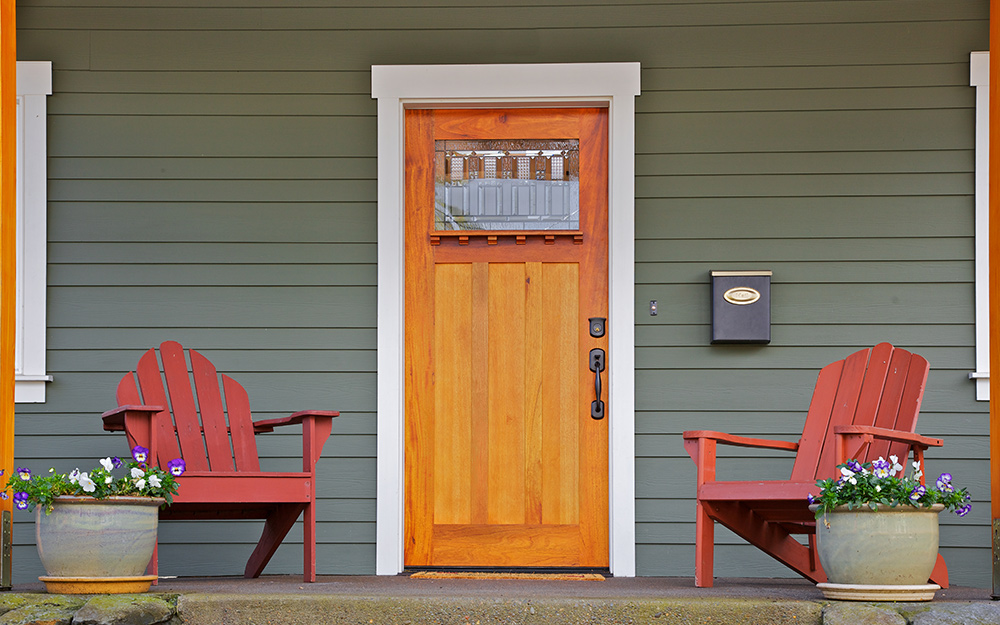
212, 180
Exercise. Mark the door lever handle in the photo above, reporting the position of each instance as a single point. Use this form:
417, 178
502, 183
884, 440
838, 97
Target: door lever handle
597, 358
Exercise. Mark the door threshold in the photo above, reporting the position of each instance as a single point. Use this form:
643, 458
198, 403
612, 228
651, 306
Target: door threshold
506, 572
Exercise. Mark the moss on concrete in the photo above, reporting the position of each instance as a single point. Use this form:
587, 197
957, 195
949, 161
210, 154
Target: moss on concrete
126, 610
43, 610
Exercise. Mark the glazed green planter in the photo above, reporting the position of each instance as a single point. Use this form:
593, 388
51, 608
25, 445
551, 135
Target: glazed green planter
97, 538
888, 546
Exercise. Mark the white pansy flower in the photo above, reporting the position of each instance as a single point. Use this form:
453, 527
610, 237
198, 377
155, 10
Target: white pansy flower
107, 464
87, 483
137, 472
154, 481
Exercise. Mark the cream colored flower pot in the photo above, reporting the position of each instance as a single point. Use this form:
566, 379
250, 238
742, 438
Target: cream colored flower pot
888, 547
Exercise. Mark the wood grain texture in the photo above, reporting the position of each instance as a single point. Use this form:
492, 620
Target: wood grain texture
8, 245
532, 489
453, 392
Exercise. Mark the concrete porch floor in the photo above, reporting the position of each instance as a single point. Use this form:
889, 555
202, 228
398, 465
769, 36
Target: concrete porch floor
276, 600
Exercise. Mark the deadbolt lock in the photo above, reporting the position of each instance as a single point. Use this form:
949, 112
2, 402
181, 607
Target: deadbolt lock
597, 325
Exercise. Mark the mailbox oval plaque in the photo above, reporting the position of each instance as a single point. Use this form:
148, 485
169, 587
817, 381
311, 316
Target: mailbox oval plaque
741, 295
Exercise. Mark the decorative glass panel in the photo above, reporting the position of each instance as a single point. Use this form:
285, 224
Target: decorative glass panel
507, 185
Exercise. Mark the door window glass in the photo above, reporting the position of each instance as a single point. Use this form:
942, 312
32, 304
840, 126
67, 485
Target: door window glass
507, 185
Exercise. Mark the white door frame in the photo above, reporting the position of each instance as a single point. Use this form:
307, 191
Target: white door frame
611, 85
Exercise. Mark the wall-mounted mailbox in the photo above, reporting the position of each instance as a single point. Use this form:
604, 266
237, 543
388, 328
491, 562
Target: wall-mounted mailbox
741, 307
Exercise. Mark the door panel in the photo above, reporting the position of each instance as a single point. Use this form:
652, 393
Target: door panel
504, 466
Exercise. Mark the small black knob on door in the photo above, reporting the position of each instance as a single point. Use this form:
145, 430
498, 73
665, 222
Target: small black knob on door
597, 358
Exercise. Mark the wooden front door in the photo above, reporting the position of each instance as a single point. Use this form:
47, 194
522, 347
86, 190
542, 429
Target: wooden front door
506, 261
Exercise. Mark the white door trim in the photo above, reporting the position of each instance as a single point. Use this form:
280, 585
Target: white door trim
397, 87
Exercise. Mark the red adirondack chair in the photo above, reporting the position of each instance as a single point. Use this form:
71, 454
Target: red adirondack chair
227, 481
863, 407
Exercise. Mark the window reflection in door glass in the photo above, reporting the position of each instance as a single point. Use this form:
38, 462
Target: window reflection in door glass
507, 185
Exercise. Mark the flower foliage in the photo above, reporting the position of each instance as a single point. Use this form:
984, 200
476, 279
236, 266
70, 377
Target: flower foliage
883, 483
138, 479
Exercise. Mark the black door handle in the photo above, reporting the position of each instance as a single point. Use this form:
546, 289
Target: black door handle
597, 365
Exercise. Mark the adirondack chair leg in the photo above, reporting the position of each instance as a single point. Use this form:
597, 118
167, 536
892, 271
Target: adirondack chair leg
275, 528
153, 567
704, 549
939, 575
309, 543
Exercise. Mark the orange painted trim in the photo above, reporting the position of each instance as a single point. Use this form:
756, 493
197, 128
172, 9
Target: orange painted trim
8, 233
994, 234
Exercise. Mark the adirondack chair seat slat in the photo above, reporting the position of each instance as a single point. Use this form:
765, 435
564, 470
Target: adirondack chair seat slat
757, 491
211, 424
863, 407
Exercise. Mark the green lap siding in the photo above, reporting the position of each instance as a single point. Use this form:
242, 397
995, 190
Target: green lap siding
212, 180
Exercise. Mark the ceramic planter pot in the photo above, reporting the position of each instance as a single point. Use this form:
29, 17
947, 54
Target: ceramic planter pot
97, 539
883, 549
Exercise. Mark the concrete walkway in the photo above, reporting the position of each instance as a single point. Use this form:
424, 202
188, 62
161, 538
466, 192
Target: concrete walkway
278, 600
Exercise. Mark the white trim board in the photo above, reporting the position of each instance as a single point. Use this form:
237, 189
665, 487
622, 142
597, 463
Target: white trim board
979, 77
34, 84
397, 87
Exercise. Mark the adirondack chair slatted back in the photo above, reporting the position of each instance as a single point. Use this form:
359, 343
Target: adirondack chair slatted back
881, 386
197, 430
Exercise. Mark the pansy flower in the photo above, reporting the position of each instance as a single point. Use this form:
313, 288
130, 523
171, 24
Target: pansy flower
944, 483
107, 463
896, 467
964, 510
918, 492
176, 467
21, 500
154, 481
140, 453
23, 473
880, 468
87, 483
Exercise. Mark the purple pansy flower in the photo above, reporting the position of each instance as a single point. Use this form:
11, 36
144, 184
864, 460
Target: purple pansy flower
964, 510
23, 473
21, 500
880, 468
140, 453
176, 467
116, 461
854, 466
918, 492
944, 483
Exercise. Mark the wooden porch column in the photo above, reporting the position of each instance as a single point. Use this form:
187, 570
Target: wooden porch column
8, 258
994, 218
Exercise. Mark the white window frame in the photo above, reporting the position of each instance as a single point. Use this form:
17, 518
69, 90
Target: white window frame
979, 77
397, 87
34, 84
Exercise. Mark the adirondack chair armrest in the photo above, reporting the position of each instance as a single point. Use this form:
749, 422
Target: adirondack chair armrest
887, 434
851, 439
316, 427
700, 445
740, 441
268, 425
114, 420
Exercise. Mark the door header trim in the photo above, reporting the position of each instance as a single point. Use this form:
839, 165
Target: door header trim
397, 87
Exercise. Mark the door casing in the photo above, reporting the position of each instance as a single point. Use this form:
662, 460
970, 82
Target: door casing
398, 87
